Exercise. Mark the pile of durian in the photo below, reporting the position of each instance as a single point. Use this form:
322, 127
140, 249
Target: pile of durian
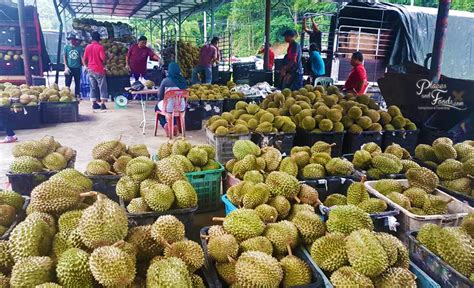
69, 242
356, 195
25, 95
377, 165
452, 244
190, 158
213, 92
453, 163
246, 118
316, 109
111, 157
46, 154
188, 56
11, 205
419, 196
245, 249
363, 258
304, 162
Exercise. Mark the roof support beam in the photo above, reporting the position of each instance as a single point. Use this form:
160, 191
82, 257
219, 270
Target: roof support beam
163, 9
115, 6
138, 8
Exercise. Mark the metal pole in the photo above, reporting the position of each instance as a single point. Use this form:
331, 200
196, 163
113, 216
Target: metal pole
161, 32
60, 40
179, 22
212, 18
204, 23
26, 55
439, 39
266, 55
151, 33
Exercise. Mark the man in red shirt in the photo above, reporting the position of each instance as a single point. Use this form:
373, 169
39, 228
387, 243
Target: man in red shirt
208, 56
357, 81
137, 57
94, 60
271, 56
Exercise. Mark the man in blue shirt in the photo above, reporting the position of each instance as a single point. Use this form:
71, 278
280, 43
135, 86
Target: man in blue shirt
318, 68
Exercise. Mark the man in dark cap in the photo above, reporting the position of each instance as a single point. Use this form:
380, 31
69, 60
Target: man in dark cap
73, 53
137, 57
292, 70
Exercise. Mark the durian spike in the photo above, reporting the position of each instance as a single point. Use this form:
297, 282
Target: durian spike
288, 247
218, 219
231, 260
88, 194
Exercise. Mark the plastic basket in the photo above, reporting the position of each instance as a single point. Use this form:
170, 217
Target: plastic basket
25, 183
229, 206
224, 144
422, 279
305, 138
212, 107
434, 266
20, 216
361, 173
326, 187
353, 142
194, 116
208, 186
229, 181
463, 197
186, 216
457, 210
27, 118
85, 91
59, 112
241, 71
318, 276
116, 84
282, 141
257, 76
408, 139
105, 184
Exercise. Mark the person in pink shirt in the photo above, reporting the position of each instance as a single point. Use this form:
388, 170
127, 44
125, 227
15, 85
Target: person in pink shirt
208, 55
94, 60
137, 57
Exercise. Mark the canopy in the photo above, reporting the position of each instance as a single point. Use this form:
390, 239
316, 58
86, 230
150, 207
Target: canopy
144, 9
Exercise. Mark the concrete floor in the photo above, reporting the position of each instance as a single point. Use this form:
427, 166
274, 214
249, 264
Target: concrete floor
96, 127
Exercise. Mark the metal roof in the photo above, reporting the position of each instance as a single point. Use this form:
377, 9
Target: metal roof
145, 9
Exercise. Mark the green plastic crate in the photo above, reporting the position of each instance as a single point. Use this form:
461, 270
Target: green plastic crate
208, 186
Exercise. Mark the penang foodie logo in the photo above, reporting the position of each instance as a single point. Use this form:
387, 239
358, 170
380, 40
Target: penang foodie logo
438, 94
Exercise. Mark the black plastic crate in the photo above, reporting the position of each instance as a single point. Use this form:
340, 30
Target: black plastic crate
20, 216
116, 84
305, 138
106, 185
318, 278
59, 112
186, 216
27, 118
241, 72
408, 139
353, 142
212, 107
358, 174
326, 187
194, 116
11, 67
223, 77
282, 141
257, 76
25, 183
429, 134
463, 197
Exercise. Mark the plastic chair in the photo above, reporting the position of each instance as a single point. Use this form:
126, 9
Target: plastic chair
324, 81
177, 97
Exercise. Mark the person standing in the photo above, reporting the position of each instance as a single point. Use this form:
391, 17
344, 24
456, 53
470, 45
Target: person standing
318, 68
94, 59
137, 57
314, 34
207, 57
357, 81
73, 53
292, 70
271, 56
10, 137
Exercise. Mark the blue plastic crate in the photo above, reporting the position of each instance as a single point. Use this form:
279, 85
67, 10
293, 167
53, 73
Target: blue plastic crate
85, 91
422, 279
229, 207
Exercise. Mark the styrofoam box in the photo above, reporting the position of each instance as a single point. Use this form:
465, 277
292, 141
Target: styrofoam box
457, 210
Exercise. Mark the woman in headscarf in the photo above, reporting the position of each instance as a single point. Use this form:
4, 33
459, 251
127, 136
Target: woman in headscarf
174, 80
